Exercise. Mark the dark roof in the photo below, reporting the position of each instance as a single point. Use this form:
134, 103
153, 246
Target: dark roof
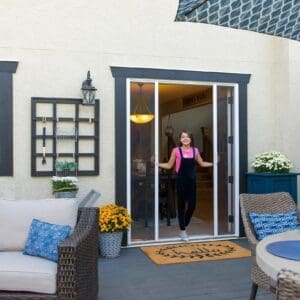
274, 17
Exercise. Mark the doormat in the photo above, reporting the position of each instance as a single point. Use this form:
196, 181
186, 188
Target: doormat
194, 252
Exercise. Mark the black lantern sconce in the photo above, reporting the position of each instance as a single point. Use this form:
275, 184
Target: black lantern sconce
88, 91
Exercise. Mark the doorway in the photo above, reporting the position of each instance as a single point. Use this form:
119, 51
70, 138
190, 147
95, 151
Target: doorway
207, 110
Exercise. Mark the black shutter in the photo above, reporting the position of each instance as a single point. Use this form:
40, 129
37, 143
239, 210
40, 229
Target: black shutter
6, 117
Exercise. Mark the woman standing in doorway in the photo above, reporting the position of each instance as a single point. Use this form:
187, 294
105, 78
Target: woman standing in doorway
184, 158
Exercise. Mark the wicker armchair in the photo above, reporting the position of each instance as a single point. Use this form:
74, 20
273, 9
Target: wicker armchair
288, 285
262, 203
77, 268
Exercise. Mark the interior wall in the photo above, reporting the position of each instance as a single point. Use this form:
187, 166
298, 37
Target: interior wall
190, 120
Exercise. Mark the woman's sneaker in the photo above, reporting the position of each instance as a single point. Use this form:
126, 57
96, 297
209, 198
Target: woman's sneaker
183, 235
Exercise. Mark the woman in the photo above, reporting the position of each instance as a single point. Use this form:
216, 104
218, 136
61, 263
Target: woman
184, 158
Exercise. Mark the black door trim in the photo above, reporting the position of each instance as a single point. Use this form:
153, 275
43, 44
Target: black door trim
122, 73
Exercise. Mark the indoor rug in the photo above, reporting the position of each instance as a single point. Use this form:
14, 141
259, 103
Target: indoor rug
194, 252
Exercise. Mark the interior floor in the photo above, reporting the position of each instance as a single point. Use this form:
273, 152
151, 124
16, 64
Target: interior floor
196, 228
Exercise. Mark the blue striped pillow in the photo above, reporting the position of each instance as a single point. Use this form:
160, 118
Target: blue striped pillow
267, 224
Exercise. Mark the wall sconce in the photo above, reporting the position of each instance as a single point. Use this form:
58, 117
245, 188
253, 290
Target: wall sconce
141, 114
88, 91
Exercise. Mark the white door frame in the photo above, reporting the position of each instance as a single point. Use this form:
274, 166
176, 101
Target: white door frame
235, 133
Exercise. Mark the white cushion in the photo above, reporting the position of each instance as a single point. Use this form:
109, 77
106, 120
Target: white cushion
16, 217
19, 272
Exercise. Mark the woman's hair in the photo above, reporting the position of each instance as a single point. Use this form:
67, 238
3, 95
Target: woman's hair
190, 135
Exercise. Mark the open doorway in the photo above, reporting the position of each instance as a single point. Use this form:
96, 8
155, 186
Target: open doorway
188, 108
236, 145
206, 111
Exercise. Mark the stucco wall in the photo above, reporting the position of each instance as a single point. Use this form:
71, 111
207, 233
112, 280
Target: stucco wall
56, 43
288, 106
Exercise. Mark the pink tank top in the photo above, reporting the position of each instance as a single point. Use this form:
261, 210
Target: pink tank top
186, 153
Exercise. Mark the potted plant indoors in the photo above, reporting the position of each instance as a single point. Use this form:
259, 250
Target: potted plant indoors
272, 174
113, 221
64, 187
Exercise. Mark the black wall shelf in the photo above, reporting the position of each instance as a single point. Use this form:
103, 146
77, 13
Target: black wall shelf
45, 120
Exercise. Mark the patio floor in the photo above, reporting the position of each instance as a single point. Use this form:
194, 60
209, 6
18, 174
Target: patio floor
133, 276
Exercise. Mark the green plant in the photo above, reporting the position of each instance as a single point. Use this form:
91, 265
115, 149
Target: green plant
64, 184
272, 161
65, 166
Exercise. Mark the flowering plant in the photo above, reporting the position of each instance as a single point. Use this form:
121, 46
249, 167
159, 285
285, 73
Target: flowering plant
272, 161
64, 184
113, 218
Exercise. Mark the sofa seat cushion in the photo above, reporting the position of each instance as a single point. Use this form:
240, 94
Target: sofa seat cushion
19, 272
16, 217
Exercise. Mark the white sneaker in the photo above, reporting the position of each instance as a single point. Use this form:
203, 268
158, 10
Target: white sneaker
183, 235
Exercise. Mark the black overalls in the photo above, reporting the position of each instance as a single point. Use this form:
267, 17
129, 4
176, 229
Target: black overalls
186, 189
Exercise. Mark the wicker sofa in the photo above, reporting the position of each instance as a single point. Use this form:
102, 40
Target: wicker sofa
76, 272
262, 203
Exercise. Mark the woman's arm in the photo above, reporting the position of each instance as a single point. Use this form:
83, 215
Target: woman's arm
202, 163
169, 165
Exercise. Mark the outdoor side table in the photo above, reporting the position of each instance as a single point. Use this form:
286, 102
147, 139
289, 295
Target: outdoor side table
272, 264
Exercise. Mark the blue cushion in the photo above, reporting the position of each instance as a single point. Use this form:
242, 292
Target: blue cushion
44, 238
267, 224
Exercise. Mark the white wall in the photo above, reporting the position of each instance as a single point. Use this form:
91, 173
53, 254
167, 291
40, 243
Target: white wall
190, 120
288, 115
56, 43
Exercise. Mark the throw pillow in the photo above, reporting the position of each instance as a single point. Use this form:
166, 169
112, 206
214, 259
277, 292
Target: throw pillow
44, 238
267, 224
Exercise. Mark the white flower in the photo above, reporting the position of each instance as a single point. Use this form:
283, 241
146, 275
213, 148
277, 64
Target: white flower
272, 161
69, 179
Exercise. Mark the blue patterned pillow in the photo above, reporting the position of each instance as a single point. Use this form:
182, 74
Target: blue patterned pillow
44, 238
267, 224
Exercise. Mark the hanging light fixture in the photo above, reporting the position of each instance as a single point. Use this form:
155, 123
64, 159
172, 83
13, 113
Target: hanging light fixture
141, 114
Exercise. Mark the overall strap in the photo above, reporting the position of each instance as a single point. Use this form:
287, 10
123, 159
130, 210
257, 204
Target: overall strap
180, 151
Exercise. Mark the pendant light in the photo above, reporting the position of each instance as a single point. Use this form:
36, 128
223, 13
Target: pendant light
141, 114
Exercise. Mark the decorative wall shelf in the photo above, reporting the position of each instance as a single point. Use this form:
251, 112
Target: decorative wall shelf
262, 183
64, 129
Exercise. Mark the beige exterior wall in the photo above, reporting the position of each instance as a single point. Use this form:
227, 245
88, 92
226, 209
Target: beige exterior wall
56, 43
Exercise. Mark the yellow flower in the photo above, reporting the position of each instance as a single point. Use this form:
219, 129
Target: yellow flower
113, 218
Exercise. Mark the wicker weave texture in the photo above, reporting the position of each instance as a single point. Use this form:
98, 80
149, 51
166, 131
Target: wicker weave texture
77, 270
262, 203
288, 285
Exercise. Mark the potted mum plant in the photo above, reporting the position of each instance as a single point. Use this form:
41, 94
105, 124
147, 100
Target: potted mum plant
272, 174
272, 162
113, 221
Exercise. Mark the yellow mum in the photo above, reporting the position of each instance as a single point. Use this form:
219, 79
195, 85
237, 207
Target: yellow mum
113, 218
